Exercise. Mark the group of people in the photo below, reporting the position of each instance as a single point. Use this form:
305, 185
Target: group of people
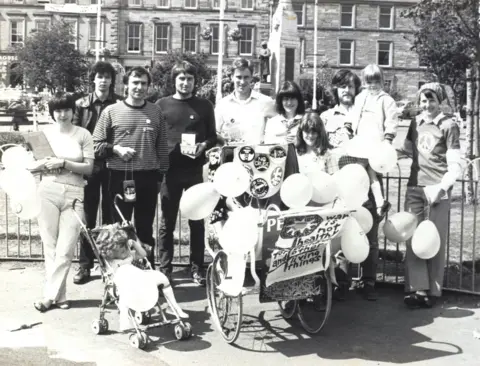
105, 146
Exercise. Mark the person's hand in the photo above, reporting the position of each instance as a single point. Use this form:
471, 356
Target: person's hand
291, 139
201, 146
125, 153
54, 163
434, 193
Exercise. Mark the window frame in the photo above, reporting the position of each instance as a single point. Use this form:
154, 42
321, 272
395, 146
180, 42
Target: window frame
74, 23
157, 4
42, 20
212, 39
70, 2
353, 16
102, 33
22, 27
302, 24
242, 40
352, 52
133, 3
392, 17
190, 7
190, 26
140, 37
213, 4
390, 55
245, 8
168, 37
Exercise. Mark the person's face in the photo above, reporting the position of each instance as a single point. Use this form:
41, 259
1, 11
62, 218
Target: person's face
184, 84
137, 86
429, 105
290, 104
346, 94
102, 81
241, 81
63, 116
310, 138
373, 86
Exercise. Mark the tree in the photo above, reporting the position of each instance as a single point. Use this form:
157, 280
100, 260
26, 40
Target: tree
447, 38
324, 85
161, 72
49, 59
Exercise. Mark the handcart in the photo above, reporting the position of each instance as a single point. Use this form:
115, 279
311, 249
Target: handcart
142, 321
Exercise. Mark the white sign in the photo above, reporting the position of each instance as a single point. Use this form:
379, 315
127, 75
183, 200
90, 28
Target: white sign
71, 8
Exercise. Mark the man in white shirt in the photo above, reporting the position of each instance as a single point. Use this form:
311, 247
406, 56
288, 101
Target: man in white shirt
240, 116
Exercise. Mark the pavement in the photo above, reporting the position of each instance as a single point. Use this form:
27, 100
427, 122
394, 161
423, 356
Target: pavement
357, 333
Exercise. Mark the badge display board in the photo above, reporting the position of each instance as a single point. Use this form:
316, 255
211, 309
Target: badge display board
266, 166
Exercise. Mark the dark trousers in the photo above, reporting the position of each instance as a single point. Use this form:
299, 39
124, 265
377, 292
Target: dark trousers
173, 185
145, 205
96, 183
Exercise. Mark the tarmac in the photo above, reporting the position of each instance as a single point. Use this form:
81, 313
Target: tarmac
358, 332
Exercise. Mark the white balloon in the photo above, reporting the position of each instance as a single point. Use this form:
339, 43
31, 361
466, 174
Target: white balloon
240, 232
231, 179
232, 283
16, 157
137, 289
353, 184
324, 187
385, 158
296, 191
354, 243
26, 208
199, 201
360, 147
18, 183
426, 240
364, 218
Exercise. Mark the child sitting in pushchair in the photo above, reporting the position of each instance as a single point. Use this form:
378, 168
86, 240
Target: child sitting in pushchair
120, 248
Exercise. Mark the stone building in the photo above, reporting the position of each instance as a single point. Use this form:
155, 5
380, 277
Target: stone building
351, 34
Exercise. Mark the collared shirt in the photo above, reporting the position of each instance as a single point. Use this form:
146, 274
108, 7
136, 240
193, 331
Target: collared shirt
88, 110
278, 128
242, 121
334, 120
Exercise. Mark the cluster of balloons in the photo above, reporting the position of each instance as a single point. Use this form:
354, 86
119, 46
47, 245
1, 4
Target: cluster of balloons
402, 226
19, 183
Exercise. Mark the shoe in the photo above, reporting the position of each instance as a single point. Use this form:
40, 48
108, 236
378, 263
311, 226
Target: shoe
340, 293
416, 301
198, 278
383, 210
369, 292
82, 276
64, 305
41, 307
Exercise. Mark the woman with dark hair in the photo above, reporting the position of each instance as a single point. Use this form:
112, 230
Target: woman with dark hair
312, 146
290, 107
433, 144
62, 183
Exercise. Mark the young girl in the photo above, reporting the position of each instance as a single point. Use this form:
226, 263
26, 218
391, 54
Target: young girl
119, 248
375, 119
433, 143
312, 145
282, 129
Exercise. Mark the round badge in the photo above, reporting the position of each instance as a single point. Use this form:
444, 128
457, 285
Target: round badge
246, 154
278, 152
259, 187
277, 176
261, 162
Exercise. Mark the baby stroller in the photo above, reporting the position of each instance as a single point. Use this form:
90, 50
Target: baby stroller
141, 321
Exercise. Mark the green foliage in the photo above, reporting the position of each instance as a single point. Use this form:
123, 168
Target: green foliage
446, 38
161, 73
324, 85
48, 59
209, 89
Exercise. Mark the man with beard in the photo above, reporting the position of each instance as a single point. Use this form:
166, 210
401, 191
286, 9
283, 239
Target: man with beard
185, 114
87, 112
337, 120
132, 136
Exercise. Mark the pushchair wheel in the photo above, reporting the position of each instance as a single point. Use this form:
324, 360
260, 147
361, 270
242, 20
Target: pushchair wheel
138, 340
100, 326
288, 308
142, 318
183, 331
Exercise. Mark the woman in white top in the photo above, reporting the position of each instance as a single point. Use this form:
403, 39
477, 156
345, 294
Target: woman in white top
282, 129
62, 183
312, 146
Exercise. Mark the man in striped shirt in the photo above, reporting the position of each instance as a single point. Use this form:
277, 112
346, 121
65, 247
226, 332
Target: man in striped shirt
131, 135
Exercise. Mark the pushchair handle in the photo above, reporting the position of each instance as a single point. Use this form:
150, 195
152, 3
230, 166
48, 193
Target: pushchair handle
75, 202
115, 199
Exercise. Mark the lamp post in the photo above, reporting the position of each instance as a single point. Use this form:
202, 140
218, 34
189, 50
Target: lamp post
315, 18
153, 21
98, 30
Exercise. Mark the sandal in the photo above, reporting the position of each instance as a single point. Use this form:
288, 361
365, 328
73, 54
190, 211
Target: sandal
64, 305
40, 306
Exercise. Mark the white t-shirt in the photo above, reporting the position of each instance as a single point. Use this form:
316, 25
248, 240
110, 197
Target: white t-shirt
278, 128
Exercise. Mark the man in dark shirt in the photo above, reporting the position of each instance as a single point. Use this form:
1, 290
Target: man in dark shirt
185, 114
87, 113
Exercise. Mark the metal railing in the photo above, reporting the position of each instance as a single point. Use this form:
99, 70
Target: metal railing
20, 240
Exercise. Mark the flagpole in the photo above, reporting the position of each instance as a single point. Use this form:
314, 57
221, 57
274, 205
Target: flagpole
315, 40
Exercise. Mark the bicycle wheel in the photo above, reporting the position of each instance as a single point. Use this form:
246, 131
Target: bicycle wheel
313, 312
226, 311
288, 308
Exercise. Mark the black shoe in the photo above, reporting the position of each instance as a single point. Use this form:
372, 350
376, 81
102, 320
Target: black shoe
416, 301
82, 276
383, 210
198, 278
369, 292
340, 293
